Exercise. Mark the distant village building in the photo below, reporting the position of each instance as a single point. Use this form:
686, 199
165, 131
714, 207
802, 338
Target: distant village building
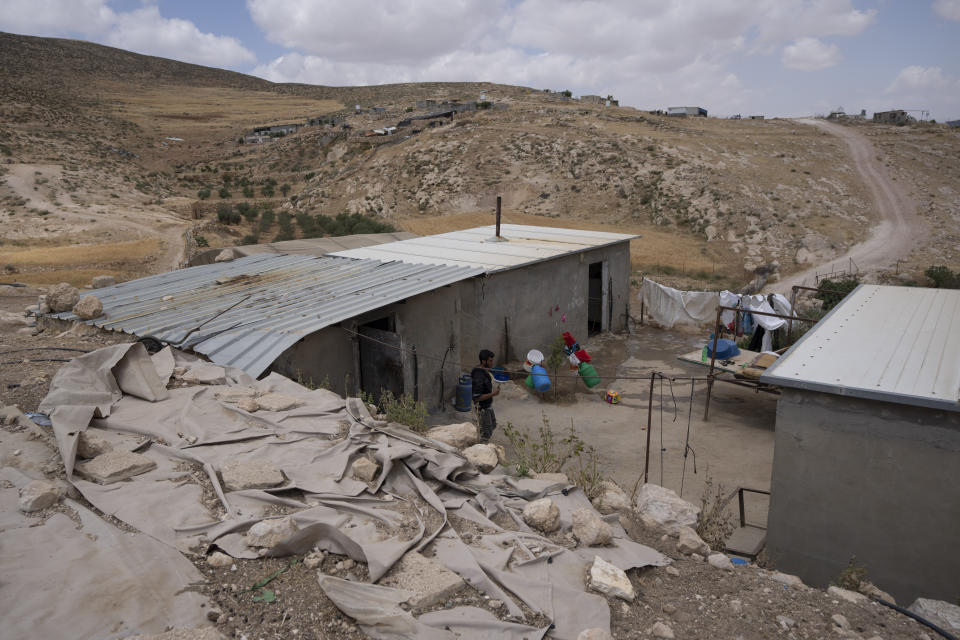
897, 116
276, 130
755, 117
953, 123
593, 99
687, 111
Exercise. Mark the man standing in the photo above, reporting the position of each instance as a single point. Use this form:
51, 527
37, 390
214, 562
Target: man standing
483, 392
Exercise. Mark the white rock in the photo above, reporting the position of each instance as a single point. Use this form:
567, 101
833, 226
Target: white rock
88, 308
719, 561
460, 435
594, 634
542, 514
251, 474
314, 560
611, 498
785, 622
661, 630
365, 469
610, 580
787, 579
943, 614
114, 466
847, 595
590, 529
665, 506
219, 559
99, 282
482, 456
736, 606
204, 373
278, 402
234, 395
90, 444
248, 404
38, 495
427, 581
269, 533
673, 571
696, 557
501, 452
225, 256
873, 591
840, 621
689, 542
62, 297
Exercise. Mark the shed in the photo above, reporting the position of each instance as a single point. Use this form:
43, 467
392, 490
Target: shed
896, 116
867, 447
687, 111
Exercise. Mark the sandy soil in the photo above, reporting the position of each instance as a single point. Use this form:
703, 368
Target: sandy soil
898, 229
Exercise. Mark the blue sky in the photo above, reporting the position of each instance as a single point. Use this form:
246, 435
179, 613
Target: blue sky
771, 57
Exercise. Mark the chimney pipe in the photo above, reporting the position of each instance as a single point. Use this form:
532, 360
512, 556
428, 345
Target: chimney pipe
498, 216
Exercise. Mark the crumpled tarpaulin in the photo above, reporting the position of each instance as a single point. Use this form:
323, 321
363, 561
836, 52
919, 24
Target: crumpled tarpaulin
188, 429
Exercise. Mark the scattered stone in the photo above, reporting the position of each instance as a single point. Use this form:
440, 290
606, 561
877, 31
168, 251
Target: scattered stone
365, 469
873, 591
213, 614
542, 514
38, 495
99, 282
62, 297
847, 595
251, 474
17, 452
696, 557
673, 571
10, 414
269, 533
611, 498
665, 506
347, 564
91, 444
736, 606
482, 456
495, 604
501, 452
661, 630
428, 581
720, 561
42, 305
167, 298
840, 621
787, 579
943, 614
459, 436
610, 580
669, 609
558, 478
225, 256
88, 308
689, 542
277, 402
785, 622
314, 560
114, 466
590, 529
249, 405
594, 634
203, 373
219, 559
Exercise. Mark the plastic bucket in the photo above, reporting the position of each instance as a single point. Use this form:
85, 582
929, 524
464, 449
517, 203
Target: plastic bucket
589, 375
533, 357
500, 375
541, 381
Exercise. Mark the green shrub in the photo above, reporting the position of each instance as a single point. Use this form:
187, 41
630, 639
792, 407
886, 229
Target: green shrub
203, 194
201, 241
943, 277
226, 214
350, 223
404, 410
830, 300
224, 192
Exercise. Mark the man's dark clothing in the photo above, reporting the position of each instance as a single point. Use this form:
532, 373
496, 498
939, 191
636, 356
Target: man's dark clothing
482, 385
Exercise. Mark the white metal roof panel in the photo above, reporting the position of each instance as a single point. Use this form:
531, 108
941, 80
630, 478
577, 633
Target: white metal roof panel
246, 312
524, 245
896, 344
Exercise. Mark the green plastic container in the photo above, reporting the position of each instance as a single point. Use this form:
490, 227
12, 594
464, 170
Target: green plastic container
529, 381
589, 374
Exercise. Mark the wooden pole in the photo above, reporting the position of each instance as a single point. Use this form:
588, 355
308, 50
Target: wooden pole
646, 462
713, 358
498, 215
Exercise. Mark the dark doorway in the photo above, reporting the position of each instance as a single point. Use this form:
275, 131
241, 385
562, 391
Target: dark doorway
595, 298
381, 360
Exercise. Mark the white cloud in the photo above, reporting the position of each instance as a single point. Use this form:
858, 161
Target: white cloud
947, 9
142, 30
915, 78
810, 54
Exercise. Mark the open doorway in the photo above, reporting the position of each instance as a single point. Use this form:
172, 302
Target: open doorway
381, 358
598, 294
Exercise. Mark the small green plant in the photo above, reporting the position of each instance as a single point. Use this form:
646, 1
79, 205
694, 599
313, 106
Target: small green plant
404, 410
943, 277
851, 577
203, 194
545, 454
201, 241
714, 524
830, 300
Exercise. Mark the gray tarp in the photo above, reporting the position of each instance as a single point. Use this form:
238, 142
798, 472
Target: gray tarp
314, 445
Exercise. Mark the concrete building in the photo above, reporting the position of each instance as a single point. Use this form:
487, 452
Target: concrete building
407, 316
593, 99
687, 111
276, 129
867, 449
897, 116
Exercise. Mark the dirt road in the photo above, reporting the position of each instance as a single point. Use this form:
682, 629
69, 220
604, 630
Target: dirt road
897, 230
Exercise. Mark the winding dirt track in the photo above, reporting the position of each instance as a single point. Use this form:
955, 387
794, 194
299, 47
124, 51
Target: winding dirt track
898, 228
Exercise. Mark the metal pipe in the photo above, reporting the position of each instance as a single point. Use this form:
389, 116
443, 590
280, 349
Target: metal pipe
416, 374
498, 215
713, 359
646, 463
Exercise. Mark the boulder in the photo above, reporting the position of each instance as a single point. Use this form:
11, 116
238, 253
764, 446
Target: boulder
665, 506
594, 634
590, 529
88, 308
612, 498
38, 495
873, 591
459, 436
225, 256
365, 469
251, 474
689, 542
90, 444
269, 533
943, 614
542, 514
99, 282
610, 580
114, 466
719, 561
428, 582
846, 595
278, 402
219, 559
482, 456
62, 297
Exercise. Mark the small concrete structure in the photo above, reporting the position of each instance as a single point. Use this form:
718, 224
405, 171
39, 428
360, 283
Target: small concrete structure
687, 111
897, 116
867, 447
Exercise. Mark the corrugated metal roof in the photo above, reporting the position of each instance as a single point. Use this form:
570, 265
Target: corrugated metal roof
245, 313
473, 248
896, 344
